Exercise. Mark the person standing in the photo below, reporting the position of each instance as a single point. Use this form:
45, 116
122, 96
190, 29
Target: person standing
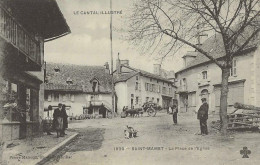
169, 110
174, 113
58, 120
203, 116
65, 119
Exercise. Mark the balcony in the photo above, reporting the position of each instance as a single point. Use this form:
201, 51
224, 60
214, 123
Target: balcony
12, 32
182, 89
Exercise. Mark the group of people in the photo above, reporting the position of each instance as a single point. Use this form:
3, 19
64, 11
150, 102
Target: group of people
202, 115
60, 120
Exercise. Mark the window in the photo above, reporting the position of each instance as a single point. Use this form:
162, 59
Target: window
72, 98
49, 97
137, 77
146, 86
152, 99
158, 100
233, 69
94, 86
164, 90
170, 90
64, 97
56, 69
136, 85
184, 84
204, 75
157, 81
150, 88
69, 81
151, 79
153, 87
147, 99
136, 100
159, 89
60, 97
68, 96
56, 97
45, 96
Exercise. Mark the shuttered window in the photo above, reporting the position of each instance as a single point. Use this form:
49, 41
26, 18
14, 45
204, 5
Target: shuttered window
72, 98
49, 97
233, 69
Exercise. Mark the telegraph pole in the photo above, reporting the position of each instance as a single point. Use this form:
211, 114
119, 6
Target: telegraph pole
111, 47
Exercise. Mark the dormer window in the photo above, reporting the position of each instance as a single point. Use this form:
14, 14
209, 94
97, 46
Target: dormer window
69, 81
56, 69
95, 85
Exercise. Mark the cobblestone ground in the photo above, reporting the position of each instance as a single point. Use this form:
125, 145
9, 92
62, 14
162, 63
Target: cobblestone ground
102, 141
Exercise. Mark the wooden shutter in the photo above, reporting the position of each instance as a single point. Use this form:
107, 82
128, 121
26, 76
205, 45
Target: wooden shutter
208, 75
72, 98
49, 97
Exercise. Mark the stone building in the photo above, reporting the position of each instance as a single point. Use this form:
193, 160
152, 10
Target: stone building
83, 89
24, 27
134, 87
202, 78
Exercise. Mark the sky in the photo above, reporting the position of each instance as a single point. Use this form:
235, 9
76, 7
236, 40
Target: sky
89, 41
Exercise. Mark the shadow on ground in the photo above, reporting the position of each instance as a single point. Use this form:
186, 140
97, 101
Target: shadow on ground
88, 139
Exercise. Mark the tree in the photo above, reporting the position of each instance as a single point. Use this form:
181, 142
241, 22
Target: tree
165, 26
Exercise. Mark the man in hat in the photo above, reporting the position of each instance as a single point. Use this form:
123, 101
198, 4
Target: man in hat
203, 116
174, 113
58, 120
65, 119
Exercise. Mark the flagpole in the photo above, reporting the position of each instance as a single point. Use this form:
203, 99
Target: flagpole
111, 48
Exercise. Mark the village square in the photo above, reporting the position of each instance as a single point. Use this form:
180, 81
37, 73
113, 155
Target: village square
143, 82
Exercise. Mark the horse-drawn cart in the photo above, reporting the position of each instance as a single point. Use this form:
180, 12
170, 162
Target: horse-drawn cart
149, 107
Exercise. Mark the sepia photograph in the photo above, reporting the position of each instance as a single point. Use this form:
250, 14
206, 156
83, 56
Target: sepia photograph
129, 82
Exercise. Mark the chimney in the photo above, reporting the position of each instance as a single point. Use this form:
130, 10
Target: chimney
189, 57
118, 65
125, 62
201, 36
107, 68
157, 69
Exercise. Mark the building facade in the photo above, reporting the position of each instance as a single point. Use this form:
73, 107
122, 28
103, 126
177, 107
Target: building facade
22, 37
202, 78
134, 87
83, 89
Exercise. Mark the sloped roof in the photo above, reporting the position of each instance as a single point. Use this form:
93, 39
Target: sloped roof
62, 87
80, 75
125, 76
214, 45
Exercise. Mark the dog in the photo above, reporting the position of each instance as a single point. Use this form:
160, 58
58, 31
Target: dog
130, 132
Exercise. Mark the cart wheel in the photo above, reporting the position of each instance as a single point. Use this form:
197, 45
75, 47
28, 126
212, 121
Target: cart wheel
151, 112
